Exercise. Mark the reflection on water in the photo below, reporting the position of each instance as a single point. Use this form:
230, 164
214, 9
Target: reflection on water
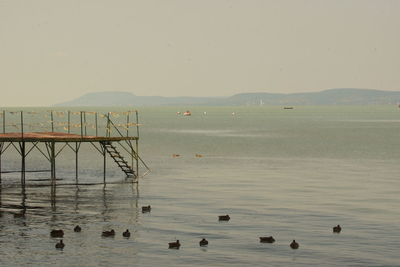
315, 173
31, 213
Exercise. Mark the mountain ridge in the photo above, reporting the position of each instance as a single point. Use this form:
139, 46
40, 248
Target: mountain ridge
335, 96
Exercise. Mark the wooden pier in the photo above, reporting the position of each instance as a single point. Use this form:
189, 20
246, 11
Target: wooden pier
71, 130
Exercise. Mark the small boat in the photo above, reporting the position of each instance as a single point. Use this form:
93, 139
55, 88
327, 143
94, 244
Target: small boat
187, 113
267, 239
175, 245
199, 155
224, 217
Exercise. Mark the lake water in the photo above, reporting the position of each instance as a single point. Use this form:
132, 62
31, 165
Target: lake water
292, 174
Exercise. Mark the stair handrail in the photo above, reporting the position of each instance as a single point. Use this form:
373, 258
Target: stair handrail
116, 128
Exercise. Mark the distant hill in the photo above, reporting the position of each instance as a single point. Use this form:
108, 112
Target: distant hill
341, 96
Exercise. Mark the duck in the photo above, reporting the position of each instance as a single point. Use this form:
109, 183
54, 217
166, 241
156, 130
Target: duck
337, 229
203, 242
146, 209
224, 217
77, 228
267, 239
60, 244
294, 245
57, 233
175, 245
110, 233
126, 233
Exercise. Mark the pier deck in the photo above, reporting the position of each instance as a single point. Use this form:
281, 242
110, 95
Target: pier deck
108, 137
59, 137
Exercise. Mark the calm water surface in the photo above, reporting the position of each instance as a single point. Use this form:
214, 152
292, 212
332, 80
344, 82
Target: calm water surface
293, 174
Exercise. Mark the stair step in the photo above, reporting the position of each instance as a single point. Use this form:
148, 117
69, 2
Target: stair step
126, 168
119, 159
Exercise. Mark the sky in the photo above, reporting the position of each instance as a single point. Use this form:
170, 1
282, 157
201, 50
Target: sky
54, 51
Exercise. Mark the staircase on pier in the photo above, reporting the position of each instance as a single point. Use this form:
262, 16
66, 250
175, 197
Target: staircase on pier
119, 159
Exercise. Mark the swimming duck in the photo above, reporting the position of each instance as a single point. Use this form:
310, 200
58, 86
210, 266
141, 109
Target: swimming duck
267, 239
337, 229
57, 233
77, 228
60, 244
203, 242
126, 233
146, 209
175, 245
224, 218
294, 245
108, 233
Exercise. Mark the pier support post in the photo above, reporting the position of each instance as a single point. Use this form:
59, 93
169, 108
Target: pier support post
23, 156
1, 153
137, 146
53, 162
4, 121
53, 172
77, 146
104, 165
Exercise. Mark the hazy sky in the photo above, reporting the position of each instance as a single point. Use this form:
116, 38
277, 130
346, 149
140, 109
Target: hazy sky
52, 51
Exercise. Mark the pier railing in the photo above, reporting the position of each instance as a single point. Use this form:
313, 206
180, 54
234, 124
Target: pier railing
84, 123
53, 130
